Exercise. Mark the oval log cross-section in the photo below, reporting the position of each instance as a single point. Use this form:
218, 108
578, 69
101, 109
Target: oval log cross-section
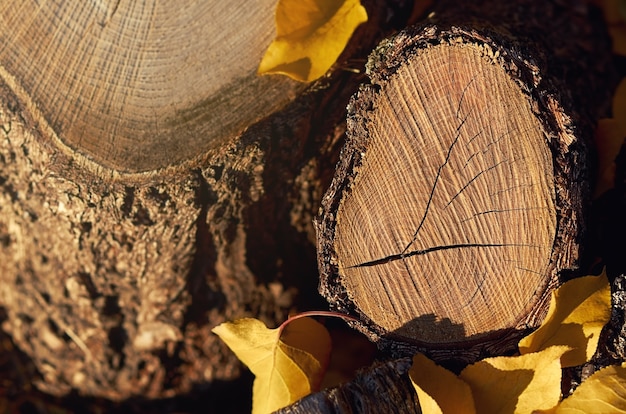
440, 225
453, 205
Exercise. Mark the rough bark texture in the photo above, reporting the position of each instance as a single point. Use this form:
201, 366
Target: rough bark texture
383, 388
543, 48
108, 283
112, 281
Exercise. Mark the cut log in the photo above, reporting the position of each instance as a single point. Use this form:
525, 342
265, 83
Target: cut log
138, 86
383, 388
142, 203
459, 196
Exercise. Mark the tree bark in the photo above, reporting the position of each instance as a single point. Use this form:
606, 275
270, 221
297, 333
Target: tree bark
459, 198
145, 200
384, 388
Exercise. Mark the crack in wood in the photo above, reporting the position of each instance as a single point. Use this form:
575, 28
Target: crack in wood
404, 255
432, 191
472, 180
504, 210
445, 162
492, 143
479, 288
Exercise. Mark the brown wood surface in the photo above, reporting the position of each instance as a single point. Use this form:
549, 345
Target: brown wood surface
135, 214
452, 208
138, 86
385, 387
459, 196
153, 186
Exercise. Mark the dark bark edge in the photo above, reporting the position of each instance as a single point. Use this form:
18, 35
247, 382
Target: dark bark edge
566, 134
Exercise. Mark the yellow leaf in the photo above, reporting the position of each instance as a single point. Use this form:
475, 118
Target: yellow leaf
519, 384
439, 390
603, 392
310, 36
578, 311
619, 106
285, 369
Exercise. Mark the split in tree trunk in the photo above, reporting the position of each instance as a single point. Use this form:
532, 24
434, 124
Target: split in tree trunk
459, 196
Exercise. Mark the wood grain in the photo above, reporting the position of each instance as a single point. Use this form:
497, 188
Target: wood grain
451, 218
137, 86
458, 198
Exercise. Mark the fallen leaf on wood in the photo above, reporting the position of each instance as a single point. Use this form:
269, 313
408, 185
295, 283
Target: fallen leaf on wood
518, 384
603, 392
287, 367
578, 311
310, 36
439, 391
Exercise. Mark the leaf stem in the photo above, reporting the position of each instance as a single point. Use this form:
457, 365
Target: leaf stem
315, 313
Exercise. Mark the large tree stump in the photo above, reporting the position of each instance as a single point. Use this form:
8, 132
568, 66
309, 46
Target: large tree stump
153, 185
136, 87
458, 199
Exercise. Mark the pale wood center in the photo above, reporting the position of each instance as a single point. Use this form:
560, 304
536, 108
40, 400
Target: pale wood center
447, 230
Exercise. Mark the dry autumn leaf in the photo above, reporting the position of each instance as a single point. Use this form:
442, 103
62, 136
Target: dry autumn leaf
578, 311
310, 36
603, 392
520, 384
439, 391
286, 368
530, 382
